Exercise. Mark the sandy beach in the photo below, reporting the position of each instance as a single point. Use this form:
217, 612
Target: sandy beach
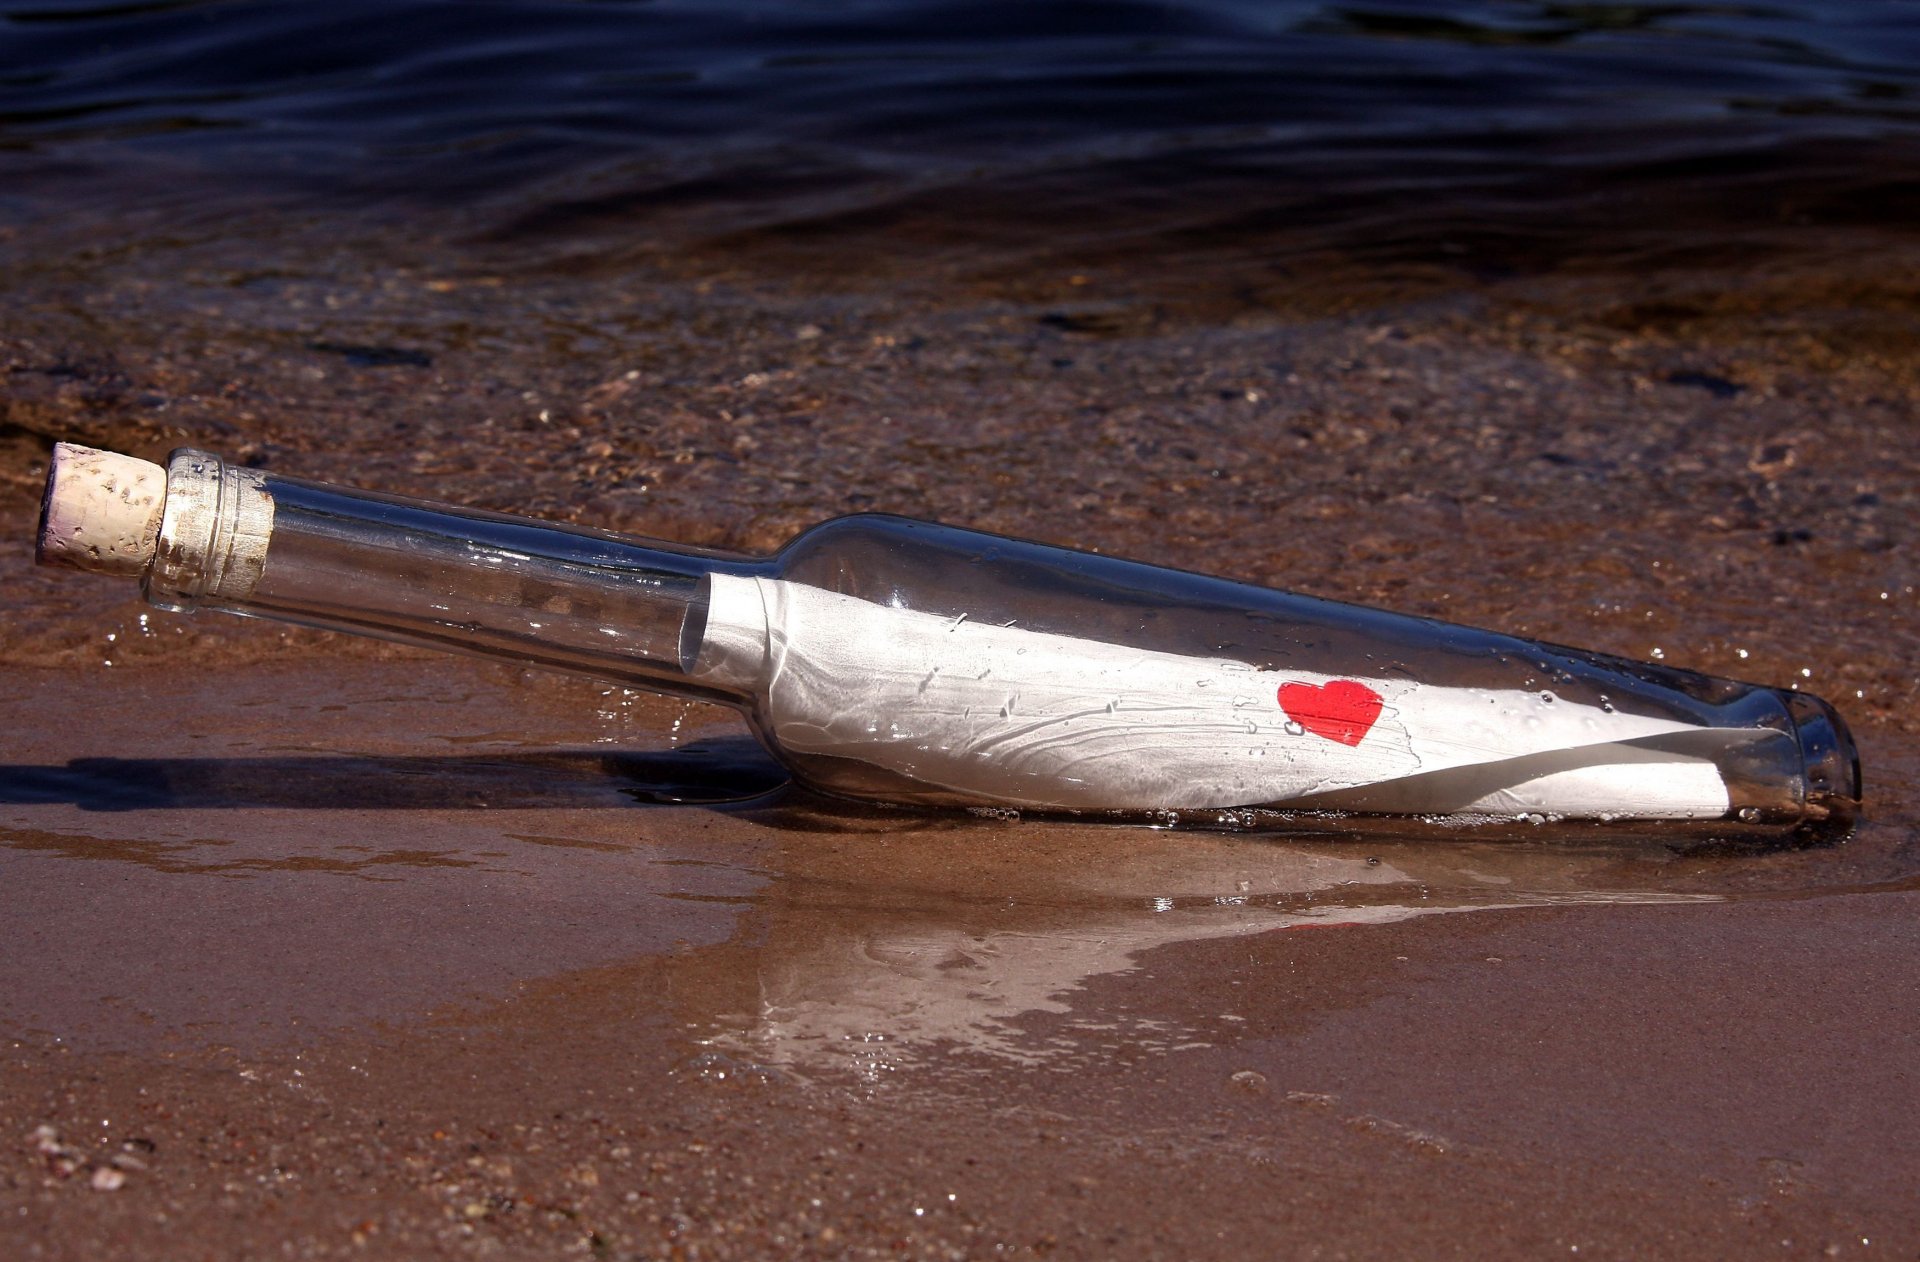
348, 950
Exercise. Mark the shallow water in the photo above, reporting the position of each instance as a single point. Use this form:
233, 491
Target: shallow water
471, 803
1595, 324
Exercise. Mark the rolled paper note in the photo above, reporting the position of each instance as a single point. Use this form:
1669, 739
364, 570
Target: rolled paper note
1034, 719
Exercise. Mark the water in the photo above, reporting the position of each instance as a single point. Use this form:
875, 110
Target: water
1491, 133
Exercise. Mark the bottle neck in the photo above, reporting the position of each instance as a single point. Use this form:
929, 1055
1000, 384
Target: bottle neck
347, 560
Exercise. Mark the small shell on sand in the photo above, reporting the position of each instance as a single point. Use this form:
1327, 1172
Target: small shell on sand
101, 511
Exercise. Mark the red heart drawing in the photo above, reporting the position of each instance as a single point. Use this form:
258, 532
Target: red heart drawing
1343, 710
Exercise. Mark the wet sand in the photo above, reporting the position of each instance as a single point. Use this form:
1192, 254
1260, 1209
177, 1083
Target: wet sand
336, 949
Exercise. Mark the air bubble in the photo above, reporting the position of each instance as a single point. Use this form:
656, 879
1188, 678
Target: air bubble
1295, 729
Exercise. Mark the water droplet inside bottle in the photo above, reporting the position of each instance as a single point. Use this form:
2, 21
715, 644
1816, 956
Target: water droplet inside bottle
1749, 814
1294, 729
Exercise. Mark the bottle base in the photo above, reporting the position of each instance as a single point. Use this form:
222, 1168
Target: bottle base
1832, 765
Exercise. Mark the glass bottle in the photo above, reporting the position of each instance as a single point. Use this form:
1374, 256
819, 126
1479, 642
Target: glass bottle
894, 660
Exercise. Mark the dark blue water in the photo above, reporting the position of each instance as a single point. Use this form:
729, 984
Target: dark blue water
1210, 118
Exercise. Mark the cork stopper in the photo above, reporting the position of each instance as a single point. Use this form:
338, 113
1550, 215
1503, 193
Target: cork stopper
101, 511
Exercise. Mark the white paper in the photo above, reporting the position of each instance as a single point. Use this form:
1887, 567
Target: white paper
1028, 718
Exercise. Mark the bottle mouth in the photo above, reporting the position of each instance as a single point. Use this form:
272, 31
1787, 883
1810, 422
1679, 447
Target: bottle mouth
1831, 762
214, 533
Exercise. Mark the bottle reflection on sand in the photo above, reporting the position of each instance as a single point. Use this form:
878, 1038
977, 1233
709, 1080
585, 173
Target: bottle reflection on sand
938, 965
